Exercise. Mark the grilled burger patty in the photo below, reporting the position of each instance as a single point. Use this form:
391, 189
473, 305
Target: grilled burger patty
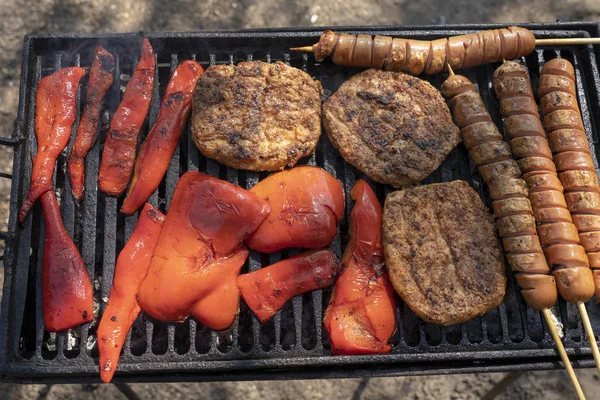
256, 116
394, 127
442, 253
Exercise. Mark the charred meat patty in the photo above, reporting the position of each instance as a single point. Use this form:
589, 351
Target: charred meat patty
256, 116
394, 127
442, 253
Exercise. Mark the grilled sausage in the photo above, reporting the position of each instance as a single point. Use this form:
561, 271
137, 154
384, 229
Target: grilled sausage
558, 235
569, 145
419, 56
512, 209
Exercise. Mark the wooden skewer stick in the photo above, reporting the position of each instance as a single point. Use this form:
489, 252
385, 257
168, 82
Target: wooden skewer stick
589, 332
563, 353
538, 42
450, 70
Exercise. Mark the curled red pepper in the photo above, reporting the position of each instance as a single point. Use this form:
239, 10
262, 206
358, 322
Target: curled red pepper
158, 148
67, 298
199, 252
101, 79
118, 155
307, 204
266, 290
123, 307
361, 317
56, 110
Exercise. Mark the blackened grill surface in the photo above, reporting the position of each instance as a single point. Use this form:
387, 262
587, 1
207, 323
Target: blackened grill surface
293, 345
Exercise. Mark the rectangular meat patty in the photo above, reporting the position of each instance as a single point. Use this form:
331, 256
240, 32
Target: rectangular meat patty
442, 253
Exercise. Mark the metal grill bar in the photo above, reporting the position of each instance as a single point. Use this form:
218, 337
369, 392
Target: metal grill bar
512, 337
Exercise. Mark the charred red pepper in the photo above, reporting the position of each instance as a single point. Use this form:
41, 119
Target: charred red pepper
123, 307
158, 148
360, 317
101, 79
307, 204
118, 156
56, 110
199, 253
267, 290
67, 299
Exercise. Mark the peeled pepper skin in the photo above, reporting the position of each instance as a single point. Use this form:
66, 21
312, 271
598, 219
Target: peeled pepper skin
67, 299
123, 307
268, 289
199, 252
361, 316
307, 204
55, 113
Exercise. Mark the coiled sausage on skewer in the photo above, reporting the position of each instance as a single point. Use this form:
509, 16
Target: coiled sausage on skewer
529, 146
512, 208
572, 155
423, 56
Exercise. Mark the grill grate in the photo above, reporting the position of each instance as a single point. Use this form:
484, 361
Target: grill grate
511, 337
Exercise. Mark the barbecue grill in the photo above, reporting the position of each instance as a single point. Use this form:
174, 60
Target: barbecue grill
293, 345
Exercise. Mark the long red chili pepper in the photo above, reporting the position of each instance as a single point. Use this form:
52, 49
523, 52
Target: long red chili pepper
56, 110
199, 253
266, 290
118, 156
157, 150
67, 298
101, 79
123, 307
360, 317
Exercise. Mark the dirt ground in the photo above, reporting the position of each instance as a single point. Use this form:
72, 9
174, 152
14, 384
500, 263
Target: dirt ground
19, 17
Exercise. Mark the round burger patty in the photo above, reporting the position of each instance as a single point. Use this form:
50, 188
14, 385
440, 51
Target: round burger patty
442, 253
394, 127
256, 116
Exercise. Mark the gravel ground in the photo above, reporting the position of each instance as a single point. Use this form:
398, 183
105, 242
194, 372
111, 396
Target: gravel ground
19, 17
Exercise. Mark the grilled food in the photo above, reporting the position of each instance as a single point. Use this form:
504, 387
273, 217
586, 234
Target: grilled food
393, 127
576, 171
118, 156
423, 56
529, 146
512, 208
442, 252
256, 116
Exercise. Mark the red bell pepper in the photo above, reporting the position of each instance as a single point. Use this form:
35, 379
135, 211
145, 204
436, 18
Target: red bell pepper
267, 290
56, 110
118, 155
307, 204
123, 307
101, 79
158, 148
199, 252
360, 317
67, 298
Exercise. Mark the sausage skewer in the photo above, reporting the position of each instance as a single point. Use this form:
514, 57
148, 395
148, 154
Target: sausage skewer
512, 207
430, 56
576, 171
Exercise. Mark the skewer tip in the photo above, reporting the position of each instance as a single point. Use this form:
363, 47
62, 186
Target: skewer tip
306, 49
450, 70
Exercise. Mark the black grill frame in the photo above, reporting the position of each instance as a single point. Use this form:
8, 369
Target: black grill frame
22, 289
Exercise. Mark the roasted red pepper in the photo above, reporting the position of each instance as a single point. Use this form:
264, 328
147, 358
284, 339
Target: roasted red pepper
101, 79
123, 307
118, 156
67, 298
360, 317
306, 205
199, 253
266, 290
158, 148
56, 110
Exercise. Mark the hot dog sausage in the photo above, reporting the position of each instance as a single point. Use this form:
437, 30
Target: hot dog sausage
569, 145
512, 208
419, 56
529, 146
